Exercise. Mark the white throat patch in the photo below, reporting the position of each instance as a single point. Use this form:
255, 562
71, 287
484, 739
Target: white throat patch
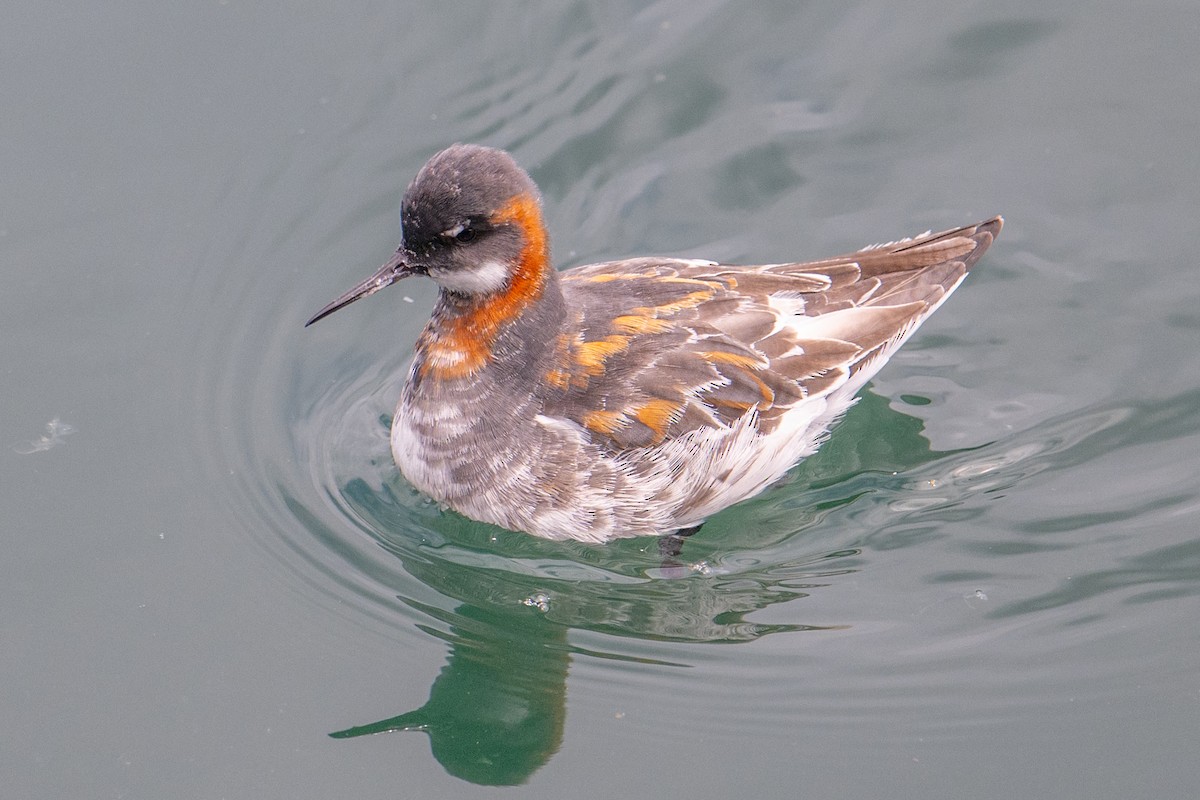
487, 277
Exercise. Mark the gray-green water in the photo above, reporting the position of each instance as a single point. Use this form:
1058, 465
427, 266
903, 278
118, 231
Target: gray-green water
984, 586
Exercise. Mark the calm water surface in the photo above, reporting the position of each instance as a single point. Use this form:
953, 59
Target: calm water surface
215, 583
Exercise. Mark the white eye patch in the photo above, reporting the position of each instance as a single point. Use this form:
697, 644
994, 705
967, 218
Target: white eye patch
450, 233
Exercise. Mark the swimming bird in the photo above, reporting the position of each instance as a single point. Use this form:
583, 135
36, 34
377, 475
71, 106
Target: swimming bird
636, 397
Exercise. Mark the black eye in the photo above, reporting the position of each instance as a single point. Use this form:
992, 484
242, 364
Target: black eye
465, 235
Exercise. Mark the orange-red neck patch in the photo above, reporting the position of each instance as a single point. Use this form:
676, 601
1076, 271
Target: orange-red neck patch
459, 345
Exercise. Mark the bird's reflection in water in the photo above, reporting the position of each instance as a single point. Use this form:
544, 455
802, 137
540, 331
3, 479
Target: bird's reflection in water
495, 712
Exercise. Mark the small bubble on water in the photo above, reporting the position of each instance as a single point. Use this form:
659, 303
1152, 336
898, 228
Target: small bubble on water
540, 601
56, 430
978, 595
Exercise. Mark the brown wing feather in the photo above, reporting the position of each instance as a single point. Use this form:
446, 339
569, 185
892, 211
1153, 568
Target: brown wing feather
665, 346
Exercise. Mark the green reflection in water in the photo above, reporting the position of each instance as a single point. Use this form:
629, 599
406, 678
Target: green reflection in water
495, 712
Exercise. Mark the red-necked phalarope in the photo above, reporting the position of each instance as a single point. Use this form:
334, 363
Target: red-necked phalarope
635, 397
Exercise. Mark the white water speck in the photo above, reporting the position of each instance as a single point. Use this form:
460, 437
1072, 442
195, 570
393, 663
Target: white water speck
540, 601
407, 299
56, 430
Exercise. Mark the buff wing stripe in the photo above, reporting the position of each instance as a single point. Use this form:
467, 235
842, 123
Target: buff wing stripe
707, 344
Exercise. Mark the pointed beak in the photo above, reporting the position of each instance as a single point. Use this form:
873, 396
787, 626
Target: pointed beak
397, 267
